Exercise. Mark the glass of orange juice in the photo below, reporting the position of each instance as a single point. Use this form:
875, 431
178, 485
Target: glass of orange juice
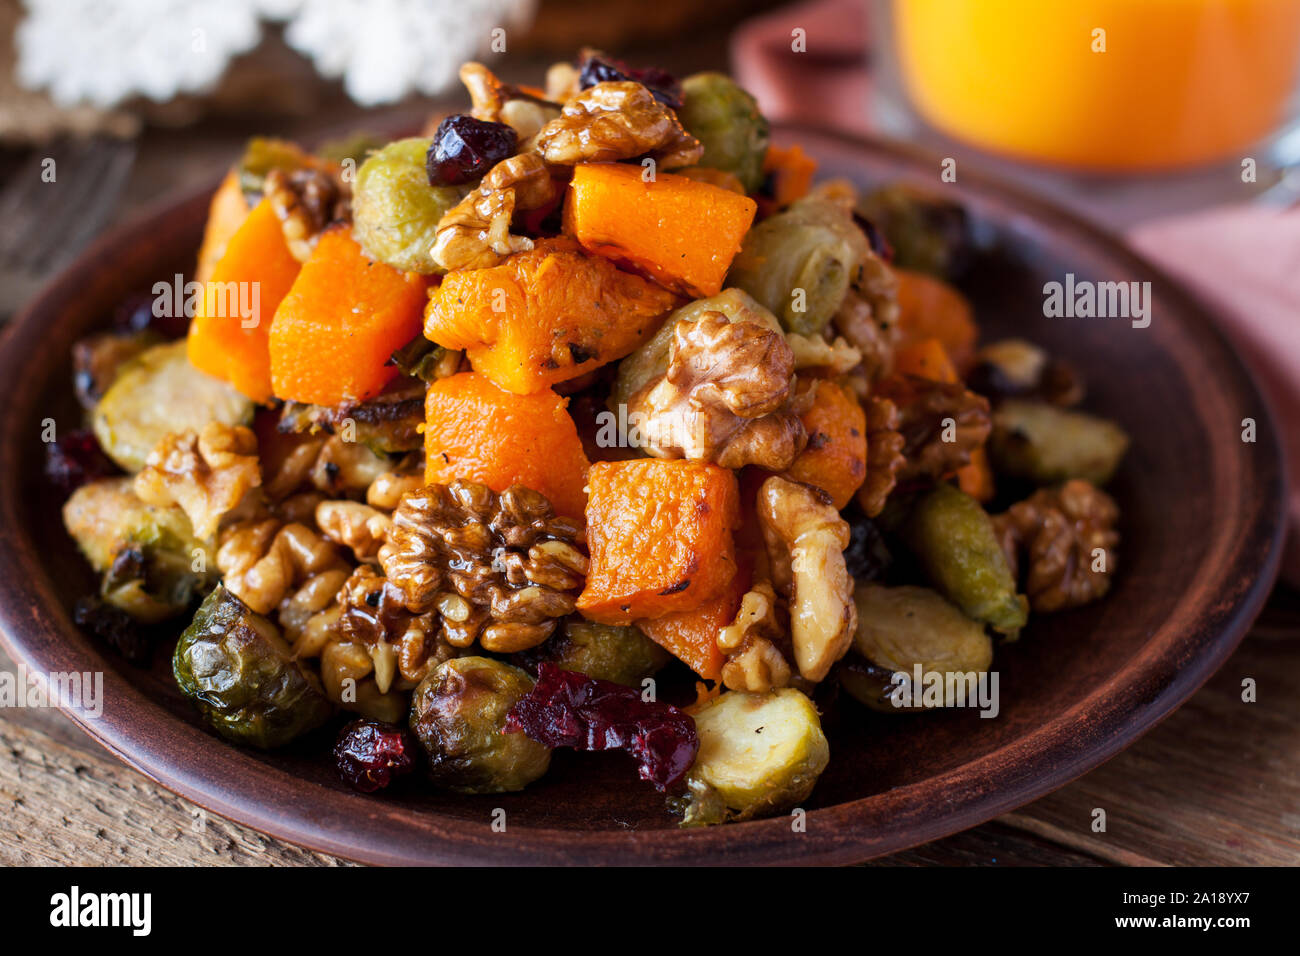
1098, 85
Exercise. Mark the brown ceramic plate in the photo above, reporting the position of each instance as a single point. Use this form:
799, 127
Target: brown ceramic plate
1201, 524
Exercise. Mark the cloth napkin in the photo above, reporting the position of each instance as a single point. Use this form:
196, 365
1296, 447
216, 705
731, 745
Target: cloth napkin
1253, 289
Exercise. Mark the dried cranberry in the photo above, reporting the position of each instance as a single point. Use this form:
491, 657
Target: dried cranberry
116, 628
569, 709
135, 313
465, 148
875, 238
662, 85
371, 754
74, 459
867, 557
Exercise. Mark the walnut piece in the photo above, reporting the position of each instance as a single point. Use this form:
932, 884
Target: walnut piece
1067, 539
207, 473
617, 120
501, 569
874, 337
725, 398
475, 233
813, 351
754, 661
307, 201
262, 560
941, 425
805, 538
884, 454
358, 527
499, 102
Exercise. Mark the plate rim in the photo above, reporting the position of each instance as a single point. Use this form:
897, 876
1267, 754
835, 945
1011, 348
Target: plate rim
341, 826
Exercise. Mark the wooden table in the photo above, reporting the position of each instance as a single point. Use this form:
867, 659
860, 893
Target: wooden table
1216, 783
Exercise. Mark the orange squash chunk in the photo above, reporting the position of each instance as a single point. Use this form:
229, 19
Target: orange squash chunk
477, 431
929, 308
681, 232
835, 458
928, 359
337, 328
660, 537
226, 214
222, 342
544, 316
692, 636
791, 171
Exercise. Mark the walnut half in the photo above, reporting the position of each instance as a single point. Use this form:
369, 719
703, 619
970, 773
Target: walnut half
725, 398
475, 233
616, 120
805, 538
207, 473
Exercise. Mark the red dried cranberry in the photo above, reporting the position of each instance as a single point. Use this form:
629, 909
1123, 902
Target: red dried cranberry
74, 459
465, 148
569, 709
662, 85
135, 313
875, 238
371, 754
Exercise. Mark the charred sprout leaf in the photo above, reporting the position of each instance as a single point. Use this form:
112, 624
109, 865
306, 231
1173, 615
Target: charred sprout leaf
1048, 445
156, 394
459, 715
612, 652
928, 233
387, 424
419, 358
801, 262
395, 212
726, 119
903, 627
242, 676
568, 709
97, 359
371, 754
153, 566
759, 754
115, 628
954, 541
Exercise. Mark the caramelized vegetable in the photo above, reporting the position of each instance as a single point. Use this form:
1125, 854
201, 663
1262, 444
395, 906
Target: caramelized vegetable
223, 341
725, 118
680, 232
929, 308
660, 537
613, 652
477, 431
544, 316
788, 175
395, 211
336, 329
692, 636
226, 214
835, 458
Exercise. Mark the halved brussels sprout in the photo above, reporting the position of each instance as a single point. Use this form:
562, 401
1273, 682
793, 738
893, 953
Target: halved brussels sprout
801, 262
157, 393
903, 627
395, 211
651, 360
153, 566
459, 713
953, 538
1048, 445
241, 674
613, 652
759, 754
388, 424
726, 119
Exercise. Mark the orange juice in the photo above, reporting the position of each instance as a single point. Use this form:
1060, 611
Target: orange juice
1168, 83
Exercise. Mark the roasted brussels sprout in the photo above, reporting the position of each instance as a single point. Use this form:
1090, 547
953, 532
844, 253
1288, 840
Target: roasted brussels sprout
459, 713
395, 211
801, 262
903, 627
622, 654
263, 154
953, 538
726, 119
241, 674
153, 566
388, 424
157, 393
928, 232
1048, 445
759, 754
651, 360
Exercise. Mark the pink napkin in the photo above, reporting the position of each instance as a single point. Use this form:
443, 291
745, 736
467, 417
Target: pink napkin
1253, 287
